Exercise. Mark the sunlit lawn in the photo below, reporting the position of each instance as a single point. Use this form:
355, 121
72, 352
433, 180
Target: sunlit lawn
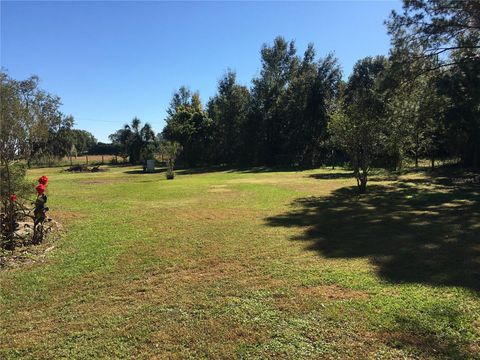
250, 264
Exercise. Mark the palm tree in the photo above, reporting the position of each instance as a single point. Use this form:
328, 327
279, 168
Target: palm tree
135, 139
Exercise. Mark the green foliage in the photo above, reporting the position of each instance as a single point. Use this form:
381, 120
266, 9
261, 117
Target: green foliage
170, 150
299, 112
82, 140
417, 115
437, 28
189, 125
138, 142
441, 38
31, 121
13, 181
308, 104
279, 63
229, 110
106, 149
282, 120
461, 85
359, 124
33, 127
14, 194
15, 197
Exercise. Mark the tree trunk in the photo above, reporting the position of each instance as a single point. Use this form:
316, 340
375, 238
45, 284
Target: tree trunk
9, 212
433, 161
362, 186
399, 164
476, 157
417, 148
361, 180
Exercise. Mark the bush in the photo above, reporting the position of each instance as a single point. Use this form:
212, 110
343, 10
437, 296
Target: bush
15, 192
170, 150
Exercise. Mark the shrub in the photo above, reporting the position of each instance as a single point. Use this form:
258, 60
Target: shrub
15, 191
170, 150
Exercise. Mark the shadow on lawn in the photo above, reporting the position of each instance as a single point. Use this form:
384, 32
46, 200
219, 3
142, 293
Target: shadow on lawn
140, 171
246, 170
412, 332
333, 176
413, 233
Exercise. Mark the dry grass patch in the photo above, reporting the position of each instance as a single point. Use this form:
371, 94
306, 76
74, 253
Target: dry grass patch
219, 189
332, 292
65, 216
310, 298
213, 214
179, 340
101, 181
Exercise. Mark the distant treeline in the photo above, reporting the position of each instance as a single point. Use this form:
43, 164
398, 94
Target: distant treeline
101, 148
422, 101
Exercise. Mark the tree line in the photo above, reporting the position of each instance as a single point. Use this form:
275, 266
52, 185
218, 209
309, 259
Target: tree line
420, 101
32, 126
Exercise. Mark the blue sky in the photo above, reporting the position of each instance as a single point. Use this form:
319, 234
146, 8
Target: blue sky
110, 61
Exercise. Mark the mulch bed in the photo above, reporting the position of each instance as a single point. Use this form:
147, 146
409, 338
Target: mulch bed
28, 254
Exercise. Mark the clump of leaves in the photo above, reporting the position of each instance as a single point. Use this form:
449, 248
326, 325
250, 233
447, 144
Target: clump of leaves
170, 150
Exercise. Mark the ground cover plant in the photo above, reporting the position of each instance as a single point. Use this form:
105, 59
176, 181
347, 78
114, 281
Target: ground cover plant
251, 263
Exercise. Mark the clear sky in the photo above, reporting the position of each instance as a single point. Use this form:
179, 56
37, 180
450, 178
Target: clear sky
110, 61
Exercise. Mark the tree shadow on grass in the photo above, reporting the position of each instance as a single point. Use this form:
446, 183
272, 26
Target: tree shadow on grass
413, 233
232, 169
140, 171
333, 176
412, 332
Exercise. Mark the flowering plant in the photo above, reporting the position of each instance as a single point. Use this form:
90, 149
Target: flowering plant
43, 180
40, 210
40, 189
14, 211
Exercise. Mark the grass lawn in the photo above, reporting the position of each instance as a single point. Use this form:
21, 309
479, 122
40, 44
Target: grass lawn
250, 264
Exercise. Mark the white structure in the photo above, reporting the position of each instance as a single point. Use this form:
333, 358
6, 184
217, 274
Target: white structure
150, 166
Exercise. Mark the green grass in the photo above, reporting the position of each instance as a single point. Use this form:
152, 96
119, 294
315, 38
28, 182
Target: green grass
250, 264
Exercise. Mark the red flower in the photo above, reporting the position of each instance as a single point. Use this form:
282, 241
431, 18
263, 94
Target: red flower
43, 180
40, 189
13, 198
